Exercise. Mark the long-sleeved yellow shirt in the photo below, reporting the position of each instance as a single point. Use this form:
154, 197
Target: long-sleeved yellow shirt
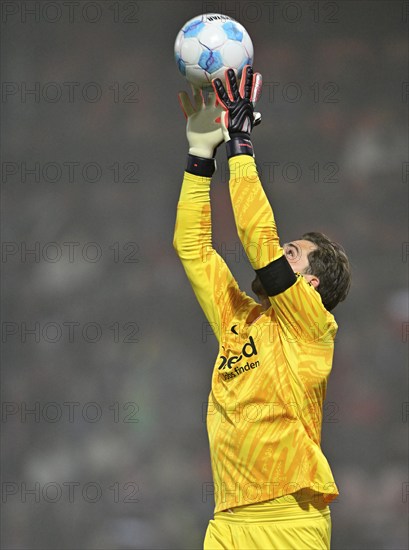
269, 381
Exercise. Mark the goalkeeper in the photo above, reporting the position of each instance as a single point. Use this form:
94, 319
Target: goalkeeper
272, 482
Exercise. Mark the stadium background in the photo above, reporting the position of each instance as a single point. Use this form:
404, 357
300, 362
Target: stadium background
116, 420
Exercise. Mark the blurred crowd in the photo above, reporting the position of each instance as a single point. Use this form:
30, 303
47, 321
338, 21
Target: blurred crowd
116, 369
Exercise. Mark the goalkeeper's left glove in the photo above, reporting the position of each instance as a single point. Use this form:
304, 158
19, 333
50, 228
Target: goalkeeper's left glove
239, 117
203, 130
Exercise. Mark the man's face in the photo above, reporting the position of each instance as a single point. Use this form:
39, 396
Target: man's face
296, 253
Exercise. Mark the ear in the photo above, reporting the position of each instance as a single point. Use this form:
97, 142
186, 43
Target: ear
313, 280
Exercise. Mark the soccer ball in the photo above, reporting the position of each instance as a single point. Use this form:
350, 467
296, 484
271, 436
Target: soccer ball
209, 44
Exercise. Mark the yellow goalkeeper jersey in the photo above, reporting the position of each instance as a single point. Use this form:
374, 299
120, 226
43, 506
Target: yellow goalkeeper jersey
269, 381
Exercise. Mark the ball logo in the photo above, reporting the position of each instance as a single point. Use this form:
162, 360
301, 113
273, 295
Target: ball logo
217, 17
209, 44
248, 350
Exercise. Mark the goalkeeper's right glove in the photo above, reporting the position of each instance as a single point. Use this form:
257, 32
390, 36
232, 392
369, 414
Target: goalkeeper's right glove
203, 130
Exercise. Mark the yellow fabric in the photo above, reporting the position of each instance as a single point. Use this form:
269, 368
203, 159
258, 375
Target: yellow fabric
285, 523
269, 381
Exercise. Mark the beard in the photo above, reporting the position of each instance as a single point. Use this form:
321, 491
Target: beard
258, 288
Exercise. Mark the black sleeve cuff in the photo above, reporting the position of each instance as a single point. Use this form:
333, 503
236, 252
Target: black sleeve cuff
239, 144
200, 166
277, 276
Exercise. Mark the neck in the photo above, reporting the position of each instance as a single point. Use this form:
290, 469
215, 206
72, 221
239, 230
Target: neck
265, 303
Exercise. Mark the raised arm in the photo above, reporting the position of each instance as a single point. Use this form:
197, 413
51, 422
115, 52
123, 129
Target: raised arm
295, 302
211, 279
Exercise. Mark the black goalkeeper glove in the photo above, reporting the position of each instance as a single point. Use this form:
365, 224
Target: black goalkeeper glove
239, 117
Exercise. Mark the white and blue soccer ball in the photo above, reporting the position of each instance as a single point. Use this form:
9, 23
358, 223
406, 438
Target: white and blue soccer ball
209, 44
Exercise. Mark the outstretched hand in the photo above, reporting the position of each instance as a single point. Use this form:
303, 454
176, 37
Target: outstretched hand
203, 129
239, 117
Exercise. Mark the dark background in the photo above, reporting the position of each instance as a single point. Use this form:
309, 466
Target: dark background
102, 338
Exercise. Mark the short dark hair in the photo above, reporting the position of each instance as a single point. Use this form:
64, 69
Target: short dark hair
331, 265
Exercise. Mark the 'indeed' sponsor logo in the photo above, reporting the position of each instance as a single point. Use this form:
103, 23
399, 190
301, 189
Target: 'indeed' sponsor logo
232, 362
